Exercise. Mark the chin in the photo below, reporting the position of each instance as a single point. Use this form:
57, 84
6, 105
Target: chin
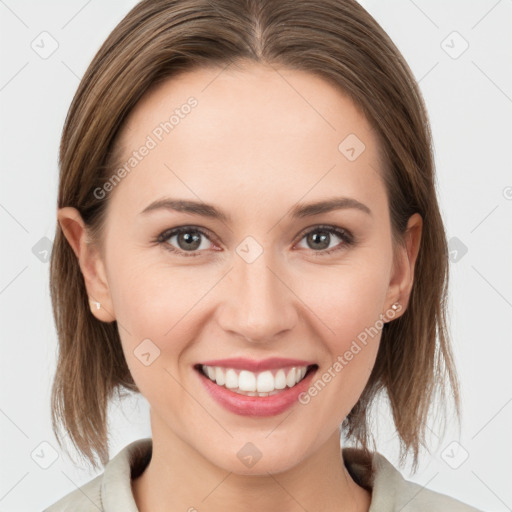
258, 455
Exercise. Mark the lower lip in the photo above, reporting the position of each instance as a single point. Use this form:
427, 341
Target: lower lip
256, 405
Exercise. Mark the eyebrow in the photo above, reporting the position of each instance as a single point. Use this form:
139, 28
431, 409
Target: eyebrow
298, 211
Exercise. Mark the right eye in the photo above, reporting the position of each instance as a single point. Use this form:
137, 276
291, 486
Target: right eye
187, 238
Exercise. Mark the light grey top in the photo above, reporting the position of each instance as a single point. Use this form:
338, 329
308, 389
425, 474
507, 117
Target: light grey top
111, 491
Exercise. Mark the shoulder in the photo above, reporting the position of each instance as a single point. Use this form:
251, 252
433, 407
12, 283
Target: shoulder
85, 499
111, 490
391, 492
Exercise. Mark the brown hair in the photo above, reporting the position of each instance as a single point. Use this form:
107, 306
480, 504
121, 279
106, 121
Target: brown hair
333, 39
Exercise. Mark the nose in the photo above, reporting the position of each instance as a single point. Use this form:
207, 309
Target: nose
260, 304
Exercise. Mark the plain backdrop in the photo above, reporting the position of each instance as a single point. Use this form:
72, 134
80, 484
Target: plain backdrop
461, 53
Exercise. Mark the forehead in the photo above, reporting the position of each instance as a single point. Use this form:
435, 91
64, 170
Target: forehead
260, 130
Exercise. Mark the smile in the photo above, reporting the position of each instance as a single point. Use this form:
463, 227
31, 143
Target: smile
245, 382
256, 388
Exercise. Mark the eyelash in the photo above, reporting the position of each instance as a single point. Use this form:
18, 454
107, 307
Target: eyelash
345, 235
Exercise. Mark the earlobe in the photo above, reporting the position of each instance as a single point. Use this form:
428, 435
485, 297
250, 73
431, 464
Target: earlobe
90, 262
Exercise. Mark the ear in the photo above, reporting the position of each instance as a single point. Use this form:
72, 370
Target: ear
90, 261
405, 257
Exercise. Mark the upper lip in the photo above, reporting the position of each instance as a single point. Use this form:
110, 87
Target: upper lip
241, 363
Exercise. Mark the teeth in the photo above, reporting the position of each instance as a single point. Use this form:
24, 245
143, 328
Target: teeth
220, 378
231, 378
211, 372
290, 378
251, 384
247, 381
280, 380
265, 382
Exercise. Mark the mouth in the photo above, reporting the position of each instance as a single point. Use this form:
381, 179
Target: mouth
253, 388
261, 384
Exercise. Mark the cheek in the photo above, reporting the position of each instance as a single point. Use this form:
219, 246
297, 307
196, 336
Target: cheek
153, 305
155, 320
150, 294
347, 299
349, 309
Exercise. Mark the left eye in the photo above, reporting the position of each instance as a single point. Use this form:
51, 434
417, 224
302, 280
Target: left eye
320, 237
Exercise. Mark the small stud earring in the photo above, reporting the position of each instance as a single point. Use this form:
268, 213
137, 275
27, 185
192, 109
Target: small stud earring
97, 304
394, 307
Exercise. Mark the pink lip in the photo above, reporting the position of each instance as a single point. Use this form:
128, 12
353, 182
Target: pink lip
254, 405
241, 363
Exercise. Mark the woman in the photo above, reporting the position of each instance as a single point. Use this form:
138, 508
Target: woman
210, 147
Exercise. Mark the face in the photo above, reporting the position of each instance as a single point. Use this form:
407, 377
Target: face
249, 280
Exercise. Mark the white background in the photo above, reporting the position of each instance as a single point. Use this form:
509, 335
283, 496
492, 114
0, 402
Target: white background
469, 99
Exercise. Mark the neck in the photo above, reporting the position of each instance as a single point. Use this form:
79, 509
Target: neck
179, 478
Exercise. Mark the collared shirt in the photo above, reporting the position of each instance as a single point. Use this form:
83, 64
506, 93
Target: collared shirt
111, 491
